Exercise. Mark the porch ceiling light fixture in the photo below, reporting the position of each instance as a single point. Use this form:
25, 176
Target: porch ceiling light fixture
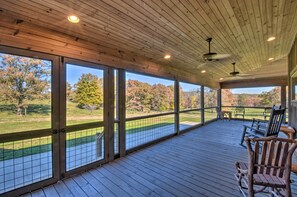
221, 78
203, 71
271, 38
270, 59
167, 56
73, 19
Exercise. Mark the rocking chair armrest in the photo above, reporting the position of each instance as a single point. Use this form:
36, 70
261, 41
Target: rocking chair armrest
259, 120
254, 128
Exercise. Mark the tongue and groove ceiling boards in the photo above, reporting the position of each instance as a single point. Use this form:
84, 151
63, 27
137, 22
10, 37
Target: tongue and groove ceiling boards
150, 29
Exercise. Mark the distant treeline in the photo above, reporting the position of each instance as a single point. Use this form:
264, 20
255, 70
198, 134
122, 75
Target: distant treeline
265, 99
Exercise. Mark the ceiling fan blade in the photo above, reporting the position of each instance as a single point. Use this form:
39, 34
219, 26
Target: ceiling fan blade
220, 56
200, 65
244, 75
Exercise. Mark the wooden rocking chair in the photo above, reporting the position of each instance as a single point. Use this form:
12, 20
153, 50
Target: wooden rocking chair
269, 168
260, 128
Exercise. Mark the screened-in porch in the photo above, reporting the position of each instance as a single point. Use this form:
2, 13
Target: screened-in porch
140, 98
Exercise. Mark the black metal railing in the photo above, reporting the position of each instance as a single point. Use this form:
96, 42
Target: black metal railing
146, 129
210, 113
189, 118
249, 112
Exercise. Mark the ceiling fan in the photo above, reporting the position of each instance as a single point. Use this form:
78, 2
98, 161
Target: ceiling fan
235, 73
211, 56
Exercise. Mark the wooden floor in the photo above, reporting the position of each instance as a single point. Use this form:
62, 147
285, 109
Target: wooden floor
196, 163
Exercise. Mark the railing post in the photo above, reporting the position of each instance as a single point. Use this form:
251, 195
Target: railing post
202, 105
176, 106
122, 112
283, 99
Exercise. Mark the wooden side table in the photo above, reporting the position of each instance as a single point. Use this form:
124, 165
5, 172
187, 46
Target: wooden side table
229, 114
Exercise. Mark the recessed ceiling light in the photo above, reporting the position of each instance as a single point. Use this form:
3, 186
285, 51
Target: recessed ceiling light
270, 59
73, 19
221, 78
167, 56
271, 38
203, 71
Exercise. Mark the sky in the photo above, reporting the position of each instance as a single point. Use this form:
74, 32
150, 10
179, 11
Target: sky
251, 90
74, 73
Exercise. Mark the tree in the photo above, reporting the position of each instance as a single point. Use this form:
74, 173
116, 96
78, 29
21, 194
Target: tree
210, 97
228, 98
138, 95
23, 79
162, 99
271, 97
89, 92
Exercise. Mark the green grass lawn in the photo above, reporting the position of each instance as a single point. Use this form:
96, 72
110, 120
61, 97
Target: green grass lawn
38, 117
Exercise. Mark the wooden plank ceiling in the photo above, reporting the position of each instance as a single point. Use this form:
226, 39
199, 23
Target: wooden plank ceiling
152, 28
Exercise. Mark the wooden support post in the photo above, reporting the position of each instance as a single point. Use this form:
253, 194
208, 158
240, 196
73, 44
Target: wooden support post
219, 102
62, 117
106, 114
283, 96
122, 112
176, 106
110, 108
202, 105
284, 100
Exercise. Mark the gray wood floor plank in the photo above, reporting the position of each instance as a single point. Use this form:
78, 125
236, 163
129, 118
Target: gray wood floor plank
38, 193
50, 191
128, 179
86, 186
62, 189
167, 184
104, 191
74, 188
122, 184
151, 186
108, 184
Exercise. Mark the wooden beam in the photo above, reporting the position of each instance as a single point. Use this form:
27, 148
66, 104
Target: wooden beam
272, 81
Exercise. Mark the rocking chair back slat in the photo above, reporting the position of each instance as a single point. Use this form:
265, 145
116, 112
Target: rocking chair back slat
283, 160
257, 149
270, 156
263, 157
277, 157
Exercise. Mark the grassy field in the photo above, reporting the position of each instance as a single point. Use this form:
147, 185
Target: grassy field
38, 117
